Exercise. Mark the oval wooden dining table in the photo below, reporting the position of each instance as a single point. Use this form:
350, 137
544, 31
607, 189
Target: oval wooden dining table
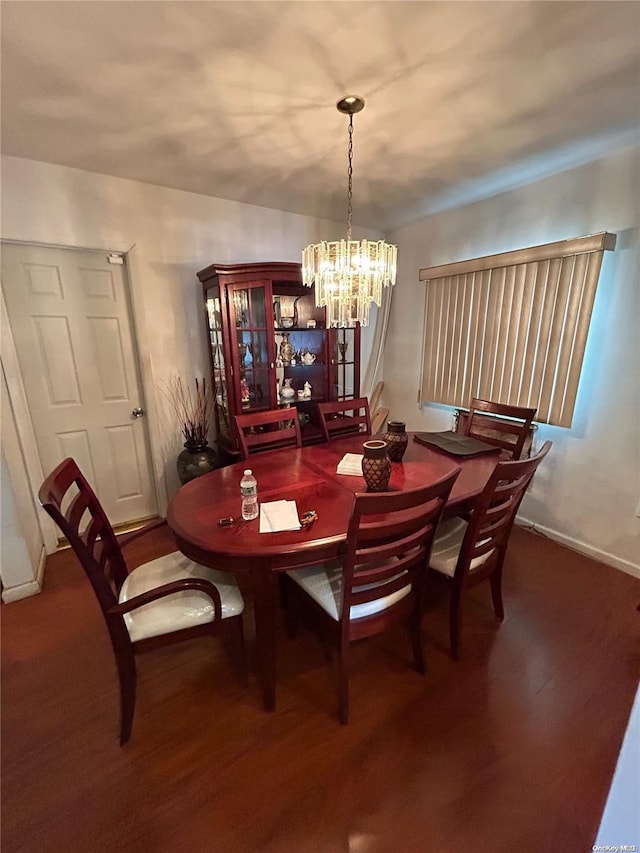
308, 476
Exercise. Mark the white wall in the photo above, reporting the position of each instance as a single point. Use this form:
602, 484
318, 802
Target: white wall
18, 568
21, 541
169, 236
174, 234
587, 491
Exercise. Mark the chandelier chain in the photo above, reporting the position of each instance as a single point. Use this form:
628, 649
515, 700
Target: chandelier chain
350, 177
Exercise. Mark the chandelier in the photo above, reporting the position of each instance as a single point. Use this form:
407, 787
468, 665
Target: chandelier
349, 274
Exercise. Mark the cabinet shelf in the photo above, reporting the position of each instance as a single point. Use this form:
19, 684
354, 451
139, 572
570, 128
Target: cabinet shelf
278, 329
297, 366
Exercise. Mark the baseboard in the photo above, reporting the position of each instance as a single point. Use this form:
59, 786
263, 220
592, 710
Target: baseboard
602, 556
26, 590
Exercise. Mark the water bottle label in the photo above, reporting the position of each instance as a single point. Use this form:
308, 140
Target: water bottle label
248, 491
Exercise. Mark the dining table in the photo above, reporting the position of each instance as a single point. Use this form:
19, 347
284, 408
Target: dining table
308, 476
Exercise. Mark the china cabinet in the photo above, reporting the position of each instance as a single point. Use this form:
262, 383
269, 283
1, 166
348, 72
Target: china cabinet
268, 339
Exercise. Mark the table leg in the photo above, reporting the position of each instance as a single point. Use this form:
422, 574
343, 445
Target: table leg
264, 604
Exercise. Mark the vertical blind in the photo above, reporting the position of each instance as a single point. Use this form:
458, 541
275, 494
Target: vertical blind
512, 327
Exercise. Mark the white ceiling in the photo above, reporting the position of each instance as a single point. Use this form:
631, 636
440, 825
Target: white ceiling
237, 99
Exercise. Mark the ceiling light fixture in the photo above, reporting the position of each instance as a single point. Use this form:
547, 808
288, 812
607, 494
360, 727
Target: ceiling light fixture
349, 274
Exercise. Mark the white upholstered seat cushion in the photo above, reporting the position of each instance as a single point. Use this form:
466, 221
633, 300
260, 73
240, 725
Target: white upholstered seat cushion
324, 584
181, 609
446, 547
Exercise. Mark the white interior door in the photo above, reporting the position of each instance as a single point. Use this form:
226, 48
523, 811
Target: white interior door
70, 317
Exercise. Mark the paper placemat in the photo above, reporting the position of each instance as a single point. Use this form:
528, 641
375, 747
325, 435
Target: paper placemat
277, 516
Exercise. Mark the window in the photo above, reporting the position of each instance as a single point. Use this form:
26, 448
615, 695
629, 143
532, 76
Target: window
512, 327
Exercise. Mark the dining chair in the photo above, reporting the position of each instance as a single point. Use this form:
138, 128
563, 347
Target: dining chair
379, 419
468, 551
374, 399
345, 417
268, 430
380, 580
163, 601
501, 425
378, 413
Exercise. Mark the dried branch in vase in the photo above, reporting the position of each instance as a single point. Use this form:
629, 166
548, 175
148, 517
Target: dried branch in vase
193, 410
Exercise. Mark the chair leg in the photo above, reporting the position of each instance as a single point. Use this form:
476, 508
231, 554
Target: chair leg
496, 592
127, 675
343, 685
288, 602
415, 634
455, 622
235, 631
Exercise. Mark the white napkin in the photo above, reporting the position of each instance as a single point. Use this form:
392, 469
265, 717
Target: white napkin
351, 463
276, 516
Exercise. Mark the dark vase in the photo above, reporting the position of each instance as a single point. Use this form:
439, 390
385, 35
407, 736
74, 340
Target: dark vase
195, 460
376, 467
397, 439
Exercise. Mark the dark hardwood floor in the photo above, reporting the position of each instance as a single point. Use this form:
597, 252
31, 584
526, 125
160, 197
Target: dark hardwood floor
513, 748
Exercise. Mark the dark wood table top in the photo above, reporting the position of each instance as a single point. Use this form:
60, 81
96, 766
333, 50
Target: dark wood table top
308, 476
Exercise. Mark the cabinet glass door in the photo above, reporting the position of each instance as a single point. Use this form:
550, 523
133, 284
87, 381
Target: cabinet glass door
220, 390
253, 347
345, 344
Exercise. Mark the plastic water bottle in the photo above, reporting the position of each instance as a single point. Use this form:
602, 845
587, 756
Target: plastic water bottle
249, 492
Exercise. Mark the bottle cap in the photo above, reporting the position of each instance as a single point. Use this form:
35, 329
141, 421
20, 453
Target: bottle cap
248, 471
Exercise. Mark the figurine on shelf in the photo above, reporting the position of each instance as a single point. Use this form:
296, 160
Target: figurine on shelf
287, 392
307, 391
244, 390
286, 350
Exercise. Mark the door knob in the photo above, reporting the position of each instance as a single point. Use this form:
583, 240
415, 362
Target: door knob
137, 412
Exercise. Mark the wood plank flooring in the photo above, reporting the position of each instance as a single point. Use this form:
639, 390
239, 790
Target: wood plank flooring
512, 748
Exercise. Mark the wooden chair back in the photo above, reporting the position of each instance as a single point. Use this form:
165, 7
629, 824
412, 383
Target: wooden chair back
389, 542
380, 579
72, 504
486, 421
379, 419
345, 417
493, 517
374, 399
269, 430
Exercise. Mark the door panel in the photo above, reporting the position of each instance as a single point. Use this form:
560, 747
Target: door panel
70, 318
106, 336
